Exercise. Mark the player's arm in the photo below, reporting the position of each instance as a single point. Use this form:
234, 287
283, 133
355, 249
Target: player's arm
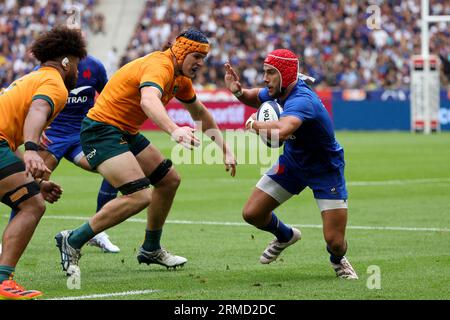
39, 113
284, 127
154, 109
246, 96
199, 112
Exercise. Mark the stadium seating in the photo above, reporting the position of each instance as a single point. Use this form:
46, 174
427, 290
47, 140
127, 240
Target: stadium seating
341, 52
22, 20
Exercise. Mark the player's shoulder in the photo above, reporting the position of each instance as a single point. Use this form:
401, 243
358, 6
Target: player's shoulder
47, 74
158, 59
185, 81
302, 94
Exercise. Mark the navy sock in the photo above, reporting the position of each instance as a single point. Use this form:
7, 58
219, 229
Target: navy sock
81, 235
106, 193
334, 258
6, 272
152, 239
12, 215
283, 232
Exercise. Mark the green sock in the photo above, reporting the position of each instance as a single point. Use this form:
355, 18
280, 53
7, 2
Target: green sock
152, 238
6, 272
81, 235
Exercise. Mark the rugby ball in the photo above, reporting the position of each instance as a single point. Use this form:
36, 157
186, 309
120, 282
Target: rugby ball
269, 111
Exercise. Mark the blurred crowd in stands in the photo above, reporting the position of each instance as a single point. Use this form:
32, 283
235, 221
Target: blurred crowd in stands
22, 20
330, 36
335, 43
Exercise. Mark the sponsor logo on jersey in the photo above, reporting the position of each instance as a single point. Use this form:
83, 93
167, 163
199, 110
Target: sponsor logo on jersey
73, 100
78, 99
87, 74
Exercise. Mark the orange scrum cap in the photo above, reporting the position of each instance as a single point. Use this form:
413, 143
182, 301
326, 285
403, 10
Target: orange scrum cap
191, 40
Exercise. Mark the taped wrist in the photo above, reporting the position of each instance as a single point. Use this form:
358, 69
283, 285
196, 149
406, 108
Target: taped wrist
239, 93
30, 145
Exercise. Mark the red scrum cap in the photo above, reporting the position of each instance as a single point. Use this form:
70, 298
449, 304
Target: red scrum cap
286, 63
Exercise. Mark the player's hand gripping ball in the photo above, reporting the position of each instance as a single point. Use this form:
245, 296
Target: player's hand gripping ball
269, 111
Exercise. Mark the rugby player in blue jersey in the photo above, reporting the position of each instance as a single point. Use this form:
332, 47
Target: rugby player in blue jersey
312, 158
62, 139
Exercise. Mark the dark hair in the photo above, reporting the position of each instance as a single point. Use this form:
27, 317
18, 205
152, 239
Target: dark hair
58, 42
194, 35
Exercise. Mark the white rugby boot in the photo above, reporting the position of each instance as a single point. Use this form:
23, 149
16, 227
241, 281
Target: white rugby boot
344, 269
161, 257
275, 248
102, 241
70, 256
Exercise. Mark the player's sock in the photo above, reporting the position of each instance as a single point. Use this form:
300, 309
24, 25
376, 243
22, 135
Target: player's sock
334, 258
152, 239
12, 215
5, 272
106, 193
80, 236
283, 232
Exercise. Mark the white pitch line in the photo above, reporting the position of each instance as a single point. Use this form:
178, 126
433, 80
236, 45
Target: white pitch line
106, 295
242, 224
397, 182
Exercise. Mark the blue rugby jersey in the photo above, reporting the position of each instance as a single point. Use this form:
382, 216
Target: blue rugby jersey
91, 79
313, 147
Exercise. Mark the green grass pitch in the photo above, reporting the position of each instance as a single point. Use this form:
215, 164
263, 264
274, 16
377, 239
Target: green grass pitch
397, 180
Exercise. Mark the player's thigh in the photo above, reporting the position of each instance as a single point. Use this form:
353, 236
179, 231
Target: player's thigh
259, 203
76, 155
12, 170
149, 159
121, 169
282, 181
159, 170
19, 191
84, 164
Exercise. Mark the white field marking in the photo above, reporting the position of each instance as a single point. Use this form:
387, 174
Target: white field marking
243, 224
349, 183
106, 295
356, 183
398, 182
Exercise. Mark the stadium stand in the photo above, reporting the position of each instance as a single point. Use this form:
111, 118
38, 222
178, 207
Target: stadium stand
22, 20
342, 53
339, 53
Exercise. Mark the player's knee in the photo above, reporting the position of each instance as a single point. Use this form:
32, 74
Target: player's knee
34, 206
137, 192
249, 214
164, 175
141, 199
172, 180
25, 197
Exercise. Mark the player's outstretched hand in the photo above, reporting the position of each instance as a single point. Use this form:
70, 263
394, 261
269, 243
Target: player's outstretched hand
34, 164
232, 79
230, 163
185, 136
51, 191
